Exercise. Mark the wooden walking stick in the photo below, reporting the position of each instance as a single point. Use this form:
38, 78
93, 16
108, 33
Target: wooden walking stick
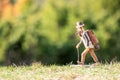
78, 55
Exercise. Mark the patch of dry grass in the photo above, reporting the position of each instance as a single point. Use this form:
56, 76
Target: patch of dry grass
54, 72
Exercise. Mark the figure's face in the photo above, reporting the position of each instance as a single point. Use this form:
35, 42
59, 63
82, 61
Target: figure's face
80, 29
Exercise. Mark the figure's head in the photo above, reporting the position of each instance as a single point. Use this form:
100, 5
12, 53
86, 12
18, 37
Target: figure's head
80, 26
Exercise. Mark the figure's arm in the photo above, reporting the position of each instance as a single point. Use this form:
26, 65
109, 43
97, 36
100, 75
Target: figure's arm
78, 45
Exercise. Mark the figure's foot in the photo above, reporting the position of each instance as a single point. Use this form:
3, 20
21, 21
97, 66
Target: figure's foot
96, 64
80, 63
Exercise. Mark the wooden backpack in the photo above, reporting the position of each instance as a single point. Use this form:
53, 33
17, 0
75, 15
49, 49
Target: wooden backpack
93, 39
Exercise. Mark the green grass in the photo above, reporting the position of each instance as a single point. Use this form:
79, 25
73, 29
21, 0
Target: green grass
53, 72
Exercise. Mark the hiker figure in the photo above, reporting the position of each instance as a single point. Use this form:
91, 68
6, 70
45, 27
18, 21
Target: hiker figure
85, 39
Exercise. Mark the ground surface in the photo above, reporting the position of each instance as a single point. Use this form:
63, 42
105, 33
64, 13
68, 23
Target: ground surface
54, 72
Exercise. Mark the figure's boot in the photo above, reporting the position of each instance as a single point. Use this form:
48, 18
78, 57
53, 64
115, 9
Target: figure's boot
80, 63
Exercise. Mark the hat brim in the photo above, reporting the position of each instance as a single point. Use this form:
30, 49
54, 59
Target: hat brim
79, 26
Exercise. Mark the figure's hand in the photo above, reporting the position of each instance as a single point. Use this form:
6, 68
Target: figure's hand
77, 46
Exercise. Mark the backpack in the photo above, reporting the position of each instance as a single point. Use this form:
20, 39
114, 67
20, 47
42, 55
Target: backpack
93, 39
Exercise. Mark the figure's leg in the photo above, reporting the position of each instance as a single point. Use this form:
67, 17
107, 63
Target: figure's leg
92, 53
83, 55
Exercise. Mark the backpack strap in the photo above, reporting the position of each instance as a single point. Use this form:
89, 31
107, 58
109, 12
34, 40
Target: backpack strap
86, 37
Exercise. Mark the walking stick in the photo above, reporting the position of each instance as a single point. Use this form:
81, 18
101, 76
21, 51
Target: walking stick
78, 55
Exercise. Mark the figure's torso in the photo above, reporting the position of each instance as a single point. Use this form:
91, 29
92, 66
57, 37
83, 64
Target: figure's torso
86, 40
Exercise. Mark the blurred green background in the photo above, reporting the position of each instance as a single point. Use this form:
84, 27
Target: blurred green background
44, 30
